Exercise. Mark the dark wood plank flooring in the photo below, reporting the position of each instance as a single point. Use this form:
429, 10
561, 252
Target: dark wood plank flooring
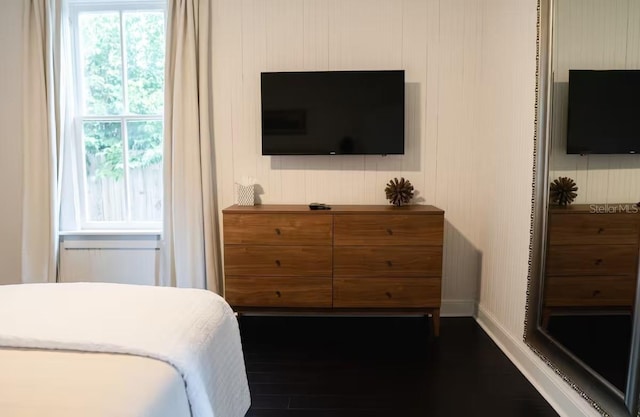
374, 367
607, 354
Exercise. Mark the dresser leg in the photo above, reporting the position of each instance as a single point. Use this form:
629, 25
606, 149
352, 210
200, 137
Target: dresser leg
435, 319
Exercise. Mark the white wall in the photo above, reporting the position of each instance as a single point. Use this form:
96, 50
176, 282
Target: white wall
99, 258
506, 130
597, 34
10, 143
436, 42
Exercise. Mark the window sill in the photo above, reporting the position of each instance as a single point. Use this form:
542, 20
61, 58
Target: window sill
111, 232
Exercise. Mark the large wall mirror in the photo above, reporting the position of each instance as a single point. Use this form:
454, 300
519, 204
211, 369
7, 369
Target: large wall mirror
582, 305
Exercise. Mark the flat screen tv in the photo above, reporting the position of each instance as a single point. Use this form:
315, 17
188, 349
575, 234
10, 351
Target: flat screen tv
332, 112
604, 112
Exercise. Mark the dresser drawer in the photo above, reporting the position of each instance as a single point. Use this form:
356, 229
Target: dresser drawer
278, 229
382, 293
310, 261
596, 229
392, 229
592, 260
391, 261
278, 292
589, 291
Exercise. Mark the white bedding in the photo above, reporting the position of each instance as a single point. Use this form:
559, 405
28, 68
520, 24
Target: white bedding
55, 383
193, 330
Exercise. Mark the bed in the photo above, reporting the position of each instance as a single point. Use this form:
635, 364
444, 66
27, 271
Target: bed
119, 350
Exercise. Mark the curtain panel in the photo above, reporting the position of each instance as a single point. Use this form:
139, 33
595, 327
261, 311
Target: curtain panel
42, 140
189, 252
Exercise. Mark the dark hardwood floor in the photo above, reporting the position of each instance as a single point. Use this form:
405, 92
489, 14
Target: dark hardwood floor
608, 353
357, 367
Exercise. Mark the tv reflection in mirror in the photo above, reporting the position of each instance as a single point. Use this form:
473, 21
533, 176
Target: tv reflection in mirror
603, 112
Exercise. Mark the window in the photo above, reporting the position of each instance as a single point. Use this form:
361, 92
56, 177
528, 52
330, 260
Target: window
119, 54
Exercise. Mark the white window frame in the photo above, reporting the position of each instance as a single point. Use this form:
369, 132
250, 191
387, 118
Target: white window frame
75, 8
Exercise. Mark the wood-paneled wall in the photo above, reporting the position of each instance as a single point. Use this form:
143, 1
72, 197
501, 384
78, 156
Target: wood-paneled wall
595, 34
438, 43
506, 130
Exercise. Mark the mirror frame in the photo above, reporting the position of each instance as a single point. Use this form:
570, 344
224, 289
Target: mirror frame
595, 390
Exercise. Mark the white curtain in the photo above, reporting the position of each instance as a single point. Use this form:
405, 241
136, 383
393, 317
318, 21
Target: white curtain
45, 122
189, 240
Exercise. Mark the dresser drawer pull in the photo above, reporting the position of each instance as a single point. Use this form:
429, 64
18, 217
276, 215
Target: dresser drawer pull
277, 262
388, 294
389, 263
600, 231
596, 293
278, 294
598, 261
389, 231
277, 231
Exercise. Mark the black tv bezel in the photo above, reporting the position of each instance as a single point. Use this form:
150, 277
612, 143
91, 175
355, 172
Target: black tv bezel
337, 153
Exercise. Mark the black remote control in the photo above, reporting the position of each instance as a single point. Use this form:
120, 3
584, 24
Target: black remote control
319, 206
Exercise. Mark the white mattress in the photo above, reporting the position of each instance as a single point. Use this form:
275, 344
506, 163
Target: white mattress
36, 383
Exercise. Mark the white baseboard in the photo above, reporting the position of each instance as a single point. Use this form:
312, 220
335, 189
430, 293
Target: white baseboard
558, 393
458, 308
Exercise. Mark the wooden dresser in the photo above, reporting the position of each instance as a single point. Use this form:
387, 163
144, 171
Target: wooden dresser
347, 259
592, 259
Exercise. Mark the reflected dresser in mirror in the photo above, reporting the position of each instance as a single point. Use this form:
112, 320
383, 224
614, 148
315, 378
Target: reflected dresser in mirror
592, 260
591, 269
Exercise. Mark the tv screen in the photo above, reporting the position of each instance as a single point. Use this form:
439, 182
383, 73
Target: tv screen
604, 112
332, 113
